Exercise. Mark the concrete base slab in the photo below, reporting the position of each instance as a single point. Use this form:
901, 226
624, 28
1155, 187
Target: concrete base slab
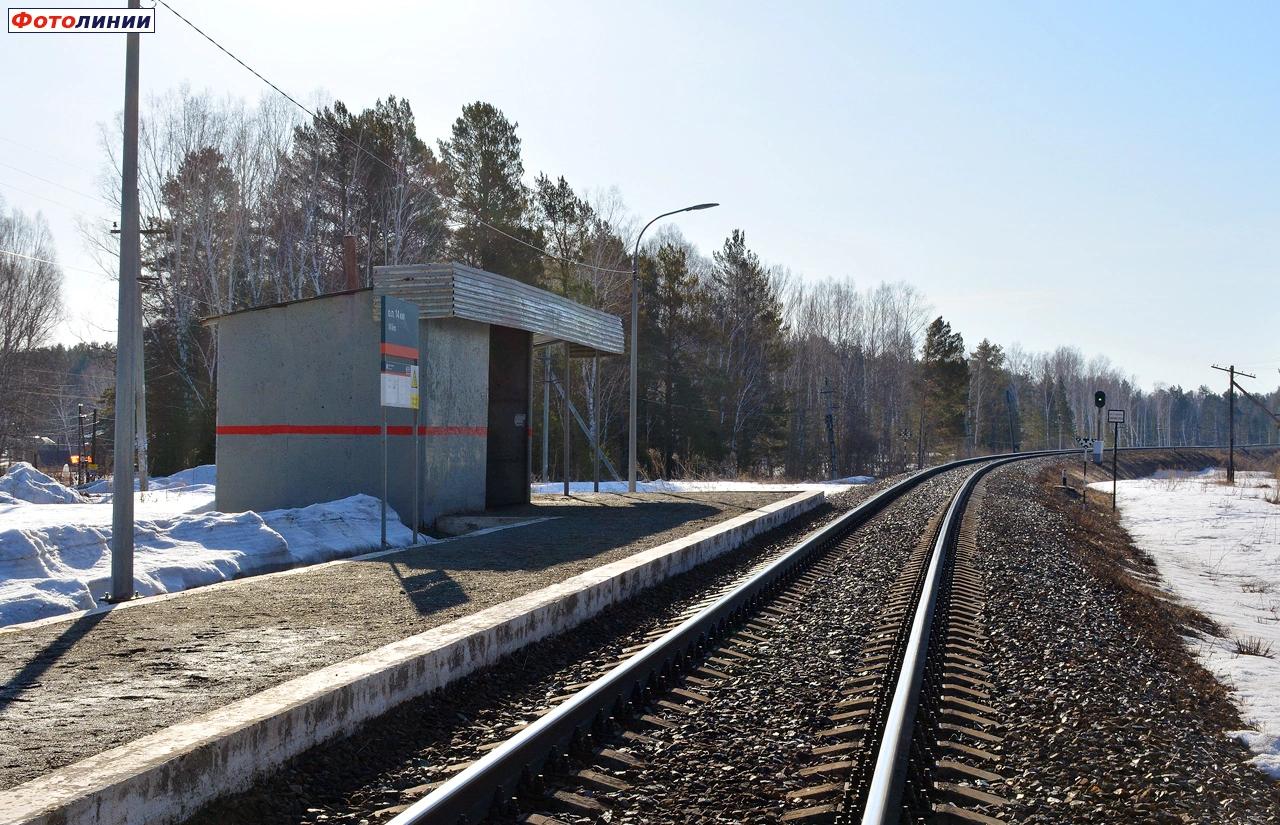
167, 776
460, 524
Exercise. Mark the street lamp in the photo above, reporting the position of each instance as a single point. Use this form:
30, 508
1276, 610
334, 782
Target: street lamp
635, 333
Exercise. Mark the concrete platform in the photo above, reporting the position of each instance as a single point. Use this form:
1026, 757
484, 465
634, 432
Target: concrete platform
142, 714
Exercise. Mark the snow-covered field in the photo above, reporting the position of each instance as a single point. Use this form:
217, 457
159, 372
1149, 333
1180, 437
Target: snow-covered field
1218, 549
836, 486
56, 558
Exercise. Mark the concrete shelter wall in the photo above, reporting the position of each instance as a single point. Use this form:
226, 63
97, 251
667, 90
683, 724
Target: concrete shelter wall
455, 384
315, 364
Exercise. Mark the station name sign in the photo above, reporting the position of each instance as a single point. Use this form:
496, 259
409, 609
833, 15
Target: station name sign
399, 353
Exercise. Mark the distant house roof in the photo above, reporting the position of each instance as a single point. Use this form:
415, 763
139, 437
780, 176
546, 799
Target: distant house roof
454, 290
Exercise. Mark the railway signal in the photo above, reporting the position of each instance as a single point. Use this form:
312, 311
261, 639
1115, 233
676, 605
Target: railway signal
1099, 401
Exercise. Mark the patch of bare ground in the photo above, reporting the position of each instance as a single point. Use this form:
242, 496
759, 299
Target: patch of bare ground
1110, 719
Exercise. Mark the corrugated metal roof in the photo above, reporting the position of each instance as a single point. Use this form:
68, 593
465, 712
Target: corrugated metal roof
453, 290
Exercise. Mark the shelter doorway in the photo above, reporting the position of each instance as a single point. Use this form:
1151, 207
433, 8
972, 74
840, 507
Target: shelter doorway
507, 453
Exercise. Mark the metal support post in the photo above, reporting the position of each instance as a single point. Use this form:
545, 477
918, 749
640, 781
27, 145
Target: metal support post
1231, 417
122, 587
546, 411
831, 425
595, 422
634, 345
417, 476
384, 478
1084, 481
1115, 453
565, 416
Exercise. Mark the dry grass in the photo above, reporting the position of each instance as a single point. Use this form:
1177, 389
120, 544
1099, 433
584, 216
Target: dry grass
1252, 646
1107, 551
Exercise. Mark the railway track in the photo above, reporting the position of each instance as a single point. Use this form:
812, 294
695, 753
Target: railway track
910, 734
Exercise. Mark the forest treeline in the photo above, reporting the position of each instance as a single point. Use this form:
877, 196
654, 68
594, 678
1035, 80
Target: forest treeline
745, 368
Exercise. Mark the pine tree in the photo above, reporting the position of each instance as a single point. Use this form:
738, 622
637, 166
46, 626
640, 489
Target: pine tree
483, 177
944, 380
749, 354
987, 403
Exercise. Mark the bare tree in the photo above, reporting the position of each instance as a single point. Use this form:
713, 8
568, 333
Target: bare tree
30, 305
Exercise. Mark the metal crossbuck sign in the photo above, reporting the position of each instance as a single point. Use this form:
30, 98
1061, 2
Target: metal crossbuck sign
1115, 416
399, 351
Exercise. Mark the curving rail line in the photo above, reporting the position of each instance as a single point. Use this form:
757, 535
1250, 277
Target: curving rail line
490, 782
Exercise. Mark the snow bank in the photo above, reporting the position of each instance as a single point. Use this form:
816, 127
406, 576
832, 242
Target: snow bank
839, 485
49, 567
26, 483
204, 475
1218, 549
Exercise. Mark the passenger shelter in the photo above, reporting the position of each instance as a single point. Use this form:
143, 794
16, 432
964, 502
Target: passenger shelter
298, 410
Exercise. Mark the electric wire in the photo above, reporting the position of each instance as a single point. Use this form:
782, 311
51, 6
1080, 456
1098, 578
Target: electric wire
47, 261
97, 198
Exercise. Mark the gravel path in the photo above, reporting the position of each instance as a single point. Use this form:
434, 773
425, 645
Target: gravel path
1110, 720
75, 688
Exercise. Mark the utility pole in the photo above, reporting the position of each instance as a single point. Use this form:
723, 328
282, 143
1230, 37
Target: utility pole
122, 588
920, 440
80, 443
1012, 405
827, 392
93, 441
1232, 372
140, 392
140, 389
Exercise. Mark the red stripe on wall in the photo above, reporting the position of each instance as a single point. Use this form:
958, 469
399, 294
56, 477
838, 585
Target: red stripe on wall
400, 351
329, 429
481, 431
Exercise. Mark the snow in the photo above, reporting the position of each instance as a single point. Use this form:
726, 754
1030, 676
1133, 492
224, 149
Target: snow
1218, 549
25, 483
204, 475
57, 559
837, 486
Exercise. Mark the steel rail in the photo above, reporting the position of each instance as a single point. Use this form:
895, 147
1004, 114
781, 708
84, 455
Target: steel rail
883, 804
471, 794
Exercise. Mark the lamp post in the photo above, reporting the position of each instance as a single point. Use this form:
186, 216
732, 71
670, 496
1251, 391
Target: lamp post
635, 333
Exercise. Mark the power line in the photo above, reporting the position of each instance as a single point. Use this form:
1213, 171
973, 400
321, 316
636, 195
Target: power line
59, 185
359, 147
47, 261
551, 255
75, 210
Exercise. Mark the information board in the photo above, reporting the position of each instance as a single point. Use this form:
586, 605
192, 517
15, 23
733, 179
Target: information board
399, 353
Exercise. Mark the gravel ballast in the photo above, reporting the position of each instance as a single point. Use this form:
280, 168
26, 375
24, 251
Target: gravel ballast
1109, 718
737, 757
374, 774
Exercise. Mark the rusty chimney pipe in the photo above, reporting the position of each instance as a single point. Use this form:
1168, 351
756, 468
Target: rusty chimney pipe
349, 268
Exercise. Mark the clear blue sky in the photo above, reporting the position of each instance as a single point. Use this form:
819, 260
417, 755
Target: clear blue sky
1103, 175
